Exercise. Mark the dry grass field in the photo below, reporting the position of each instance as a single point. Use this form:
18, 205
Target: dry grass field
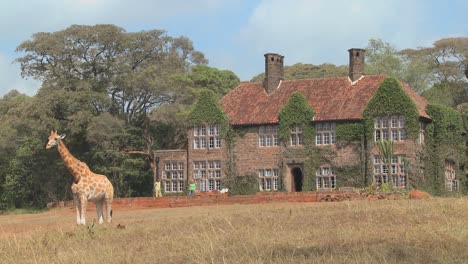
401, 231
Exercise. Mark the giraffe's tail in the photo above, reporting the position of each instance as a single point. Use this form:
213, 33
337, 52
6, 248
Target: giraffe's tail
111, 213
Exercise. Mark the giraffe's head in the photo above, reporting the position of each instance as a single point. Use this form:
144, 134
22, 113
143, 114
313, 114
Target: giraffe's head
53, 139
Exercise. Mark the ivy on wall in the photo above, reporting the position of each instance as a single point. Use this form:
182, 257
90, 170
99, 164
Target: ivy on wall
207, 110
391, 99
298, 112
349, 132
443, 141
242, 185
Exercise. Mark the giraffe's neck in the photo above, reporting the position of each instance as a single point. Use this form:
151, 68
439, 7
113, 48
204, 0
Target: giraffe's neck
71, 162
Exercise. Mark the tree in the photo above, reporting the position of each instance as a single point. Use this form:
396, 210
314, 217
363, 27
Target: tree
381, 57
384, 58
136, 70
219, 81
309, 71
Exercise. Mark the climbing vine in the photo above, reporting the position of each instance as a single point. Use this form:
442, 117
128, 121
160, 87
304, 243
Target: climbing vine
207, 110
391, 99
349, 132
298, 112
443, 142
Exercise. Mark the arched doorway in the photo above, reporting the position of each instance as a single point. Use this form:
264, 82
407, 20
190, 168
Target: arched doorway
297, 179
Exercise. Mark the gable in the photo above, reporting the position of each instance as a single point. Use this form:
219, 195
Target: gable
331, 98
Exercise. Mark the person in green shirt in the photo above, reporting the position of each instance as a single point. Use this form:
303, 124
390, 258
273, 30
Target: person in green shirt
192, 188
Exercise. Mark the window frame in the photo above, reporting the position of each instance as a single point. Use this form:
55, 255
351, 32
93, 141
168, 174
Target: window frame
268, 136
207, 136
268, 179
390, 127
173, 174
325, 178
325, 133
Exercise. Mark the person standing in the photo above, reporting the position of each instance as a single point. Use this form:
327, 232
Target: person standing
157, 189
192, 188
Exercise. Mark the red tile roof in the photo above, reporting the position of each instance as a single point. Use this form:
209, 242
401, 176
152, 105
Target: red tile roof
331, 98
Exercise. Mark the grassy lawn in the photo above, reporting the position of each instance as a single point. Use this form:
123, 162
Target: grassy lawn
402, 231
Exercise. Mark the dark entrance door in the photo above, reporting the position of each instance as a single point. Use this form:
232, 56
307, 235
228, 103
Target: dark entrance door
298, 178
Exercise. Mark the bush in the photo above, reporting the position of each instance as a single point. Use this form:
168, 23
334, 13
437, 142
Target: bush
242, 185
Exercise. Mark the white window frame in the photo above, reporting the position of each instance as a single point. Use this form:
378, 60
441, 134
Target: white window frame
451, 181
395, 174
206, 172
325, 134
268, 136
325, 178
172, 175
204, 140
296, 137
389, 127
268, 179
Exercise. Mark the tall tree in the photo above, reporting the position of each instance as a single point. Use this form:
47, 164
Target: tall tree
136, 70
309, 71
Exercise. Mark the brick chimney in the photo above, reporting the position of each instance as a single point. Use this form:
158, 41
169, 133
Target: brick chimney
273, 71
356, 63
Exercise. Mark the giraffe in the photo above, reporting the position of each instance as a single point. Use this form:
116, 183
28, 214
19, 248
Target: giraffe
87, 186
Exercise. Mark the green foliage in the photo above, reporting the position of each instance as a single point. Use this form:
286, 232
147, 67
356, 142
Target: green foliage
381, 57
390, 99
297, 112
443, 142
207, 110
349, 132
309, 71
242, 184
136, 70
386, 187
349, 176
386, 150
218, 81
446, 124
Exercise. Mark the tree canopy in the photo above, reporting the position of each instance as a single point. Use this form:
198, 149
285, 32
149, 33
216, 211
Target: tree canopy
114, 93
121, 95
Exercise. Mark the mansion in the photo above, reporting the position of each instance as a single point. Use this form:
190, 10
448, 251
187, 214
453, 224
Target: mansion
336, 156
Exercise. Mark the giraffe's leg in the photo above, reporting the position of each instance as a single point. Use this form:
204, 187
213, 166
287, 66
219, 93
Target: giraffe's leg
84, 205
108, 210
99, 210
76, 200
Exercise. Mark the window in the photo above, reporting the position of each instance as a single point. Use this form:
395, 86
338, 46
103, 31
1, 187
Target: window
451, 184
390, 127
296, 138
207, 175
173, 175
394, 172
268, 179
268, 136
326, 178
422, 132
202, 139
325, 134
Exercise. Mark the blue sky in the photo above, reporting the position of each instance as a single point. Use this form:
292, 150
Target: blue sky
234, 34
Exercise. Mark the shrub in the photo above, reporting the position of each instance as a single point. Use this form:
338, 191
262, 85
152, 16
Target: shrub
241, 185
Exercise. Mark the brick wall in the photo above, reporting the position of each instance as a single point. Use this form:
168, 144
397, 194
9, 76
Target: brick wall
250, 157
